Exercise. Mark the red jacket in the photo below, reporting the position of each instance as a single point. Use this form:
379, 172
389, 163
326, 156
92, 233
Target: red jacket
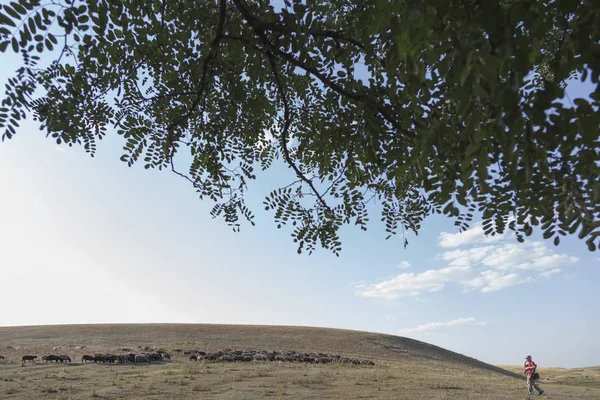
531, 365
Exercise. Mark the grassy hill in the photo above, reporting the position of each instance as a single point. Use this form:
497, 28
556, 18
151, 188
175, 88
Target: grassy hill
404, 368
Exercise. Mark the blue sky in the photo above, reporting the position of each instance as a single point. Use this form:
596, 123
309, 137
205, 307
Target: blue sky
87, 240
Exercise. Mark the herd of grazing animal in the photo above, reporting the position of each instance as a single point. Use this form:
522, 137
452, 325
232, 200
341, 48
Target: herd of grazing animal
56, 359
126, 358
227, 355
130, 357
48, 358
160, 355
237, 355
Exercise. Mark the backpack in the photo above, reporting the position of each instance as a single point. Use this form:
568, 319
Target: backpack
534, 375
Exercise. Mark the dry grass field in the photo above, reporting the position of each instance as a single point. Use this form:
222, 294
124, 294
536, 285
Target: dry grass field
404, 368
582, 377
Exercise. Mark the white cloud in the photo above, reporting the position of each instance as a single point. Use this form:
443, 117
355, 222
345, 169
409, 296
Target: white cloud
404, 265
433, 280
490, 281
596, 260
359, 285
536, 256
548, 274
437, 326
267, 139
389, 317
508, 256
270, 137
485, 265
474, 235
467, 257
548, 262
419, 300
411, 284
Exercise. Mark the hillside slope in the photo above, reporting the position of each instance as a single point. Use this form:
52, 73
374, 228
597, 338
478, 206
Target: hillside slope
404, 369
211, 337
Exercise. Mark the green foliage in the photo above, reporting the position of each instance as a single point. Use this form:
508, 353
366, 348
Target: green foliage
449, 107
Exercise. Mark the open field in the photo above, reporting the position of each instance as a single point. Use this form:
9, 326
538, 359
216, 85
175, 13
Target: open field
583, 377
404, 368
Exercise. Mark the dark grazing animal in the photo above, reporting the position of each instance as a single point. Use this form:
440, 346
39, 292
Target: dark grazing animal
110, 358
64, 358
54, 358
28, 358
104, 358
87, 358
123, 358
142, 358
1, 357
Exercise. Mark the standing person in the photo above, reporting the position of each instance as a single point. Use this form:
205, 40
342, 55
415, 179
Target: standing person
530, 367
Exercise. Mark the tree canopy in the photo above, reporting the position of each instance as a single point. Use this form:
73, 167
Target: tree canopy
454, 107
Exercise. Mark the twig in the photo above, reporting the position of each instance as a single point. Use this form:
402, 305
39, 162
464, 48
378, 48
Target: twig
283, 139
280, 28
209, 59
259, 26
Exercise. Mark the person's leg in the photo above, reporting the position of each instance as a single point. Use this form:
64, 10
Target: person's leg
529, 384
540, 391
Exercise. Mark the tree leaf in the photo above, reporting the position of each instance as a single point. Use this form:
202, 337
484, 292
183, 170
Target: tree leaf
419, 109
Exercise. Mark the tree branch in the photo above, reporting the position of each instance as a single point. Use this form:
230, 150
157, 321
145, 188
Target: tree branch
291, 184
260, 27
341, 175
184, 176
284, 133
209, 60
281, 28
